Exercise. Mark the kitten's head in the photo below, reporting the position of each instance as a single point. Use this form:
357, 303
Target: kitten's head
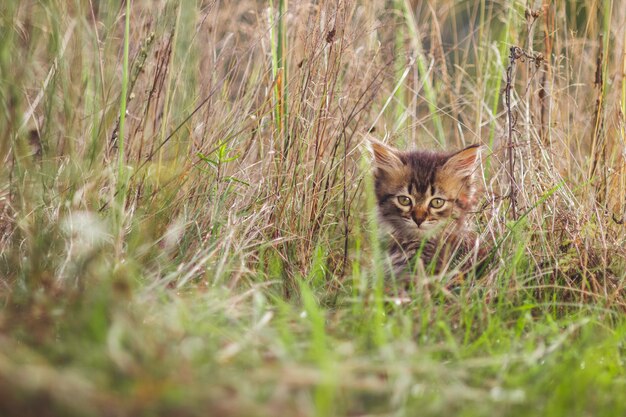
420, 191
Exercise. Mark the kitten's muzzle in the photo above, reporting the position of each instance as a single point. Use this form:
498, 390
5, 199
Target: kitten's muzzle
418, 216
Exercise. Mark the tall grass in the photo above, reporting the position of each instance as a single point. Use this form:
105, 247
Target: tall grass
188, 222
279, 69
423, 68
122, 180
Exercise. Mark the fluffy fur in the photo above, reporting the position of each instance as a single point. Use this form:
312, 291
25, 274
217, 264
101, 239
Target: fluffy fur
423, 199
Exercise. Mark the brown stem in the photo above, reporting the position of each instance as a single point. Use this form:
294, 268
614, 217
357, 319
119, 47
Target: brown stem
515, 54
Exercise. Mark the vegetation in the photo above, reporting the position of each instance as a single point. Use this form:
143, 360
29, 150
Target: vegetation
187, 219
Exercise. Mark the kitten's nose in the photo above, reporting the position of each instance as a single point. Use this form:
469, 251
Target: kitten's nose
418, 217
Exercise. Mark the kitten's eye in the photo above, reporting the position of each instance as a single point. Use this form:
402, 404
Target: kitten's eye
437, 202
404, 200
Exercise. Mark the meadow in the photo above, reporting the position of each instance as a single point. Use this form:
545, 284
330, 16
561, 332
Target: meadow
188, 227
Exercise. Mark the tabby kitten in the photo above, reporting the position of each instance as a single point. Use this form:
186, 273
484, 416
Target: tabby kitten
423, 199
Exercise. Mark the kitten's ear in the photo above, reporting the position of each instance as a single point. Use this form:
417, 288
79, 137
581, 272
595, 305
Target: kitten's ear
385, 157
464, 162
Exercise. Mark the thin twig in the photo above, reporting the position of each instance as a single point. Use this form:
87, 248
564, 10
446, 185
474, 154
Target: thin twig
507, 96
517, 53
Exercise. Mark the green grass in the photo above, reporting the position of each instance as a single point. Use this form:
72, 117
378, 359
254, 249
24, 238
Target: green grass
187, 228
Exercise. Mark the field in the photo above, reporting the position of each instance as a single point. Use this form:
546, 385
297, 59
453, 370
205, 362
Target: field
188, 227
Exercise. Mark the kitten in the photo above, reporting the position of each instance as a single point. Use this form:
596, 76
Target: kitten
423, 199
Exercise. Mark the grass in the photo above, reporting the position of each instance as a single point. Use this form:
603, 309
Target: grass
187, 228
122, 185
